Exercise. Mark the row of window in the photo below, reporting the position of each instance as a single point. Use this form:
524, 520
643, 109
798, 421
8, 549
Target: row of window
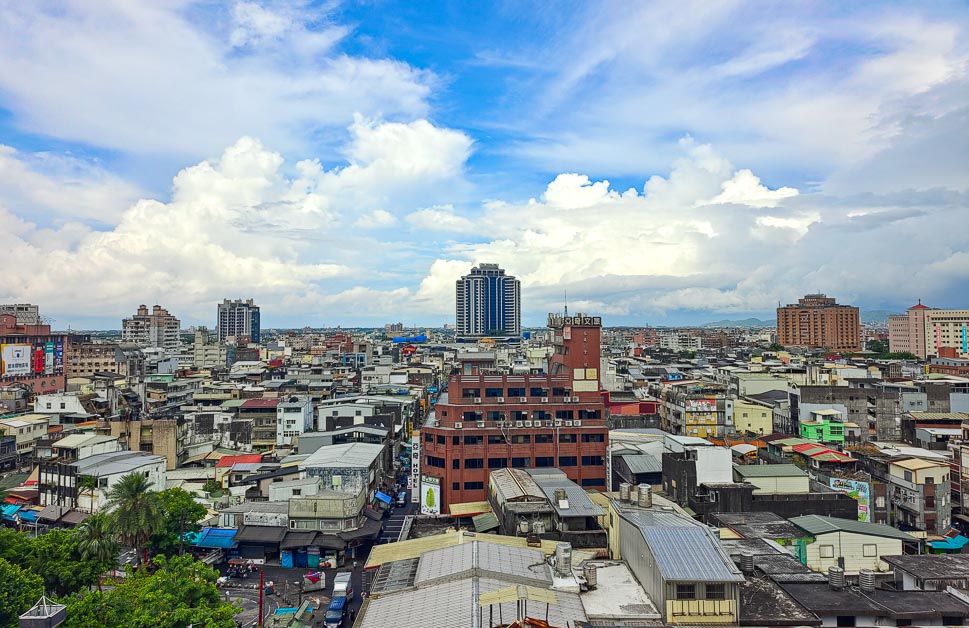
522, 415
501, 463
477, 486
516, 439
494, 393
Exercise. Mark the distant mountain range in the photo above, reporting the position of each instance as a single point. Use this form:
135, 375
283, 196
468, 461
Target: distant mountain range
875, 316
742, 322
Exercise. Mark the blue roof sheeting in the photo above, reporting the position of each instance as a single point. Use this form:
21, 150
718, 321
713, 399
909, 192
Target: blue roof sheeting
217, 538
955, 543
9, 510
27, 515
384, 497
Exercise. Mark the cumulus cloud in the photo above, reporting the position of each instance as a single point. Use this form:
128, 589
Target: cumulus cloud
376, 219
745, 188
440, 218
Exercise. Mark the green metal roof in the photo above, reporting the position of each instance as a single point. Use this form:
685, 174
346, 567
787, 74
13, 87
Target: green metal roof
816, 524
484, 522
768, 471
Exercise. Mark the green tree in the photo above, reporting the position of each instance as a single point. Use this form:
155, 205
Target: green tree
15, 546
136, 512
56, 558
182, 514
19, 590
180, 592
97, 544
877, 346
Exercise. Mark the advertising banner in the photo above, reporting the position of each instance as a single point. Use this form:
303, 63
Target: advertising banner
430, 495
415, 466
15, 360
58, 357
860, 491
49, 358
701, 405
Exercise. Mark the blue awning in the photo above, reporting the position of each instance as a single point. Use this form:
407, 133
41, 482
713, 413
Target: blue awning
216, 538
955, 543
385, 498
27, 515
9, 510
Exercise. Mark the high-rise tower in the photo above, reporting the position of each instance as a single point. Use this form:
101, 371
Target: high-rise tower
488, 303
238, 318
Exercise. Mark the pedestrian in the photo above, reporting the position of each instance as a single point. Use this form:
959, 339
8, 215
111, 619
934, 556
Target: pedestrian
352, 613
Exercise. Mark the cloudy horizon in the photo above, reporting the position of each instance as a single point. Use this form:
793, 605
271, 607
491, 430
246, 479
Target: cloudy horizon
342, 164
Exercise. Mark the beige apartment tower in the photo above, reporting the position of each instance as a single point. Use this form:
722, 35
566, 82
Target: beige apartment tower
924, 331
818, 321
156, 328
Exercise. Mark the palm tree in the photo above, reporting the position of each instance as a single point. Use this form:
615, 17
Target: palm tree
96, 541
136, 512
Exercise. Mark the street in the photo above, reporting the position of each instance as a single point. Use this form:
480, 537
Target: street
287, 580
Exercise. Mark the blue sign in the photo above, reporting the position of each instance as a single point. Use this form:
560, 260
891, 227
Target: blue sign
385, 498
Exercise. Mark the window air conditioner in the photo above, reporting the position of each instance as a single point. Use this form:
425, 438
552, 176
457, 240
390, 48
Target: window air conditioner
477, 399
568, 424
501, 400
522, 399
544, 399
577, 423
528, 423
458, 426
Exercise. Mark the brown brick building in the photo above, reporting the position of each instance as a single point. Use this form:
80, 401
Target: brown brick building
489, 420
817, 321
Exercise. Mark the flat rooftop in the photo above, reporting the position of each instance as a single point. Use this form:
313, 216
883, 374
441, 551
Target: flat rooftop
618, 598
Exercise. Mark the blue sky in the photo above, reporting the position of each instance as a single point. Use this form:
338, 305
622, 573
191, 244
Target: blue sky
343, 163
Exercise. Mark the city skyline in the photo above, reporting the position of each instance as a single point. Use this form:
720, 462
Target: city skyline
343, 165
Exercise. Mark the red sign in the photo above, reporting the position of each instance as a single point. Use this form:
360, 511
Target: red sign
38, 360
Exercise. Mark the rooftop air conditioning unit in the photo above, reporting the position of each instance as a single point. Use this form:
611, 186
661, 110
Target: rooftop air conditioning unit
568, 424
458, 426
577, 423
575, 399
528, 423
548, 424
518, 423
480, 424
544, 399
522, 399
558, 422
477, 399
501, 400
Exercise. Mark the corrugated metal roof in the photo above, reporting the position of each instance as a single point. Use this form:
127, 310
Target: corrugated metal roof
465, 509
684, 549
413, 548
768, 470
642, 463
485, 521
343, 456
579, 504
816, 524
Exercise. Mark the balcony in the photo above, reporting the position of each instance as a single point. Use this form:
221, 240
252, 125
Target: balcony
701, 611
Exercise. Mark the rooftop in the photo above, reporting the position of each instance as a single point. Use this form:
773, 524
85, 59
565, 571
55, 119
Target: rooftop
768, 470
932, 566
914, 464
758, 525
822, 599
413, 548
82, 440
618, 597
115, 462
343, 456
816, 524
577, 502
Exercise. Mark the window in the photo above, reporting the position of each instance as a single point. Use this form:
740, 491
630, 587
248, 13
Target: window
545, 461
496, 440
559, 392
520, 463
538, 392
589, 414
428, 438
497, 463
470, 393
953, 621
564, 414
567, 461
469, 416
716, 591
543, 438
494, 392
521, 439
473, 440
297, 492
827, 551
592, 438
516, 392
456, 463
440, 439
593, 482
592, 461
434, 461
869, 550
908, 476
474, 463
686, 591
455, 486
473, 486
930, 480
567, 438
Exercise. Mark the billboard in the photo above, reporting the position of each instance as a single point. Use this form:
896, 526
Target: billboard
415, 466
860, 491
701, 405
15, 360
430, 495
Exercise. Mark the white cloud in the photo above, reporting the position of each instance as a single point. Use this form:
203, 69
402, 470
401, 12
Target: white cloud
440, 218
153, 78
376, 219
746, 189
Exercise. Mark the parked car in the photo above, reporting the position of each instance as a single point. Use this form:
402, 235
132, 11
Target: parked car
343, 585
335, 612
402, 499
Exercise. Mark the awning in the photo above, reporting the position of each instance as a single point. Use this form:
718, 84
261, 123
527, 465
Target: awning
484, 522
27, 515
52, 513
266, 535
9, 510
368, 529
372, 514
330, 541
955, 543
298, 538
385, 498
217, 538
74, 517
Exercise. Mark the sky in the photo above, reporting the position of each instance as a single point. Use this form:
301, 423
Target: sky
342, 163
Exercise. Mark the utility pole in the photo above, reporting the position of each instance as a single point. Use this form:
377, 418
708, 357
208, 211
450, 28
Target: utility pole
261, 591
